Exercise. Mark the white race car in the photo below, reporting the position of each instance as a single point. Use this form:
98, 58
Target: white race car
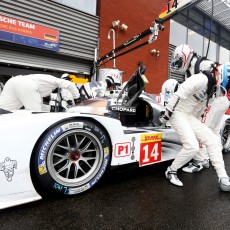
43, 154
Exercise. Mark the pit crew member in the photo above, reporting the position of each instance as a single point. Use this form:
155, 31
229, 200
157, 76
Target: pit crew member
28, 91
192, 95
212, 117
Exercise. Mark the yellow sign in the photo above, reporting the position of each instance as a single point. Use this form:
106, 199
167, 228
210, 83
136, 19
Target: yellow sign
78, 80
145, 138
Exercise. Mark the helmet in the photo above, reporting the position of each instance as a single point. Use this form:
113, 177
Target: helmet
223, 74
181, 58
169, 87
92, 89
113, 80
65, 76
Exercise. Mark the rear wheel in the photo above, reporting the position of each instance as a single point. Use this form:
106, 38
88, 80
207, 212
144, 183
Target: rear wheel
225, 136
71, 158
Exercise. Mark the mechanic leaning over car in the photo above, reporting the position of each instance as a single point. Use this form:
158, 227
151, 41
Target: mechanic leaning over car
212, 116
94, 89
29, 90
192, 95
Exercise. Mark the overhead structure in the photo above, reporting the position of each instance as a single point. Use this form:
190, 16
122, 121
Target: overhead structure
221, 11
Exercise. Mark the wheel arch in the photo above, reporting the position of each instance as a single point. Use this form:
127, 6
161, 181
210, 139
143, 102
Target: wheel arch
70, 119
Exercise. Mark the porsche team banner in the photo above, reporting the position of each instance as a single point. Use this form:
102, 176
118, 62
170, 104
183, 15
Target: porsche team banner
27, 33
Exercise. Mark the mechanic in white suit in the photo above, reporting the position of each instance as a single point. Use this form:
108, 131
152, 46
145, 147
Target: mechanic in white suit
212, 116
192, 95
29, 90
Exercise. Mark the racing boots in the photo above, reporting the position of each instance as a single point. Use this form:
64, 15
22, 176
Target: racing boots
172, 177
196, 166
206, 163
224, 184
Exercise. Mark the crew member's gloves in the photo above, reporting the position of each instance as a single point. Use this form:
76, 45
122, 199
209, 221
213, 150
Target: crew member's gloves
164, 117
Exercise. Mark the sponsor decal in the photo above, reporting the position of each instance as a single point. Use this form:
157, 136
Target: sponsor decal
73, 125
73, 191
50, 45
196, 97
206, 112
151, 137
44, 148
132, 40
100, 173
8, 166
42, 168
102, 139
106, 151
61, 188
172, 6
27, 33
123, 109
122, 149
150, 149
200, 96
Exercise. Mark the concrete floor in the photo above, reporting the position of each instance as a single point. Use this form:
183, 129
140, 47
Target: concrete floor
137, 198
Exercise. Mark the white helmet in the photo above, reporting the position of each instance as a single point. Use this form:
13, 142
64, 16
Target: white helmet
169, 87
65, 76
181, 58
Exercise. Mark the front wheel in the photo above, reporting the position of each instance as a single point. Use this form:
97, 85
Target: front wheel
71, 158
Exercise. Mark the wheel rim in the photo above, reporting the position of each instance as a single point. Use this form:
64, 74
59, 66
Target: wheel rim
225, 135
74, 158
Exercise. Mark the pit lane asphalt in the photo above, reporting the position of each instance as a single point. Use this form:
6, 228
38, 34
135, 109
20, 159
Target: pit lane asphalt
136, 198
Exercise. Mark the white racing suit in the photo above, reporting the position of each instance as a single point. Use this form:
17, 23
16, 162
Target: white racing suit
212, 117
190, 97
28, 91
212, 114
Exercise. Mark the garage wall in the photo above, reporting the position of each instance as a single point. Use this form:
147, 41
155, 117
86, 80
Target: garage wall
78, 35
138, 16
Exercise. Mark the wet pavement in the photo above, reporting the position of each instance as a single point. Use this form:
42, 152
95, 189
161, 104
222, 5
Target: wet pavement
135, 198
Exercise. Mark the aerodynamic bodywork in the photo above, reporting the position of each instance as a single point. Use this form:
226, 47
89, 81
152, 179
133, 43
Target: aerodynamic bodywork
67, 153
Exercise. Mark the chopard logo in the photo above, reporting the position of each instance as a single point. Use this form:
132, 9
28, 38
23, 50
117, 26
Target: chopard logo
123, 109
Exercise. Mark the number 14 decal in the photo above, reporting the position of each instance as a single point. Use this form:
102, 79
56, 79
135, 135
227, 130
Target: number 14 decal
171, 4
150, 153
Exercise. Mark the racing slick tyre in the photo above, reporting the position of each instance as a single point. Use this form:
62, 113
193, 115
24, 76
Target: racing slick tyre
225, 136
71, 158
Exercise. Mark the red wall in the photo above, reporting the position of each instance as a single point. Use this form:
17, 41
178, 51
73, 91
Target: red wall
138, 16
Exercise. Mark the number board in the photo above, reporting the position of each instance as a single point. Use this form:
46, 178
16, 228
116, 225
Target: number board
173, 6
150, 149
